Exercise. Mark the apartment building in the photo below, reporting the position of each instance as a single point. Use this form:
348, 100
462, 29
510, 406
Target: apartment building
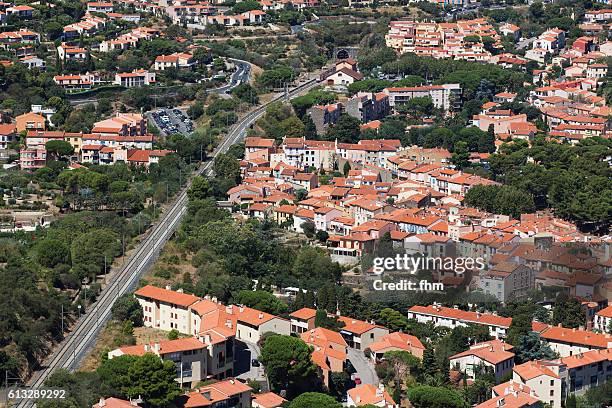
367, 106
507, 281
495, 357
68, 52
447, 97
325, 115
188, 354
451, 318
568, 342
602, 321
29, 121
122, 124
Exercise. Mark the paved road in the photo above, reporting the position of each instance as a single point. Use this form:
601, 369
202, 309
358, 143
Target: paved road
363, 366
522, 44
242, 75
77, 344
250, 352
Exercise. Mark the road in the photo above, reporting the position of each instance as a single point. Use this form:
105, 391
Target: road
524, 43
363, 366
242, 75
79, 342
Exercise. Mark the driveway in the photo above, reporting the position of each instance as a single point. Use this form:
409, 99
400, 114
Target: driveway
245, 353
363, 366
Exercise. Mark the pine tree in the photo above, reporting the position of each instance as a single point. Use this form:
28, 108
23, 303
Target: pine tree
429, 361
322, 298
298, 303
309, 299
332, 300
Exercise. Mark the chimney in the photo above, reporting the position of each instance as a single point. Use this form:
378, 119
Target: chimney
102, 402
180, 290
358, 399
261, 316
559, 325
501, 402
232, 381
168, 287
146, 348
380, 390
478, 315
207, 339
241, 309
207, 297
156, 347
214, 299
228, 323
229, 309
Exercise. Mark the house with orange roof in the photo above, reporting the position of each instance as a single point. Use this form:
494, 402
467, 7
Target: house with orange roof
330, 351
122, 124
30, 121
568, 342
302, 320
359, 334
545, 378
188, 354
8, 134
396, 342
587, 370
602, 321
258, 148
510, 398
268, 400
370, 394
113, 402
348, 249
227, 393
495, 356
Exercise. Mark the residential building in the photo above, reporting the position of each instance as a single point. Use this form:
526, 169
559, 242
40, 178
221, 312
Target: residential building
396, 342
8, 135
188, 354
602, 320
268, 400
325, 115
330, 351
494, 357
451, 318
302, 320
122, 124
545, 378
222, 394
138, 77
568, 342
29, 121
113, 402
370, 394
359, 334
507, 281
367, 106
99, 7
178, 60
447, 97
341, 77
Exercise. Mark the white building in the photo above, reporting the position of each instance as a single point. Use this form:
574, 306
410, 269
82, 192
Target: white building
138, 77
494, 356
602, 321
446, 97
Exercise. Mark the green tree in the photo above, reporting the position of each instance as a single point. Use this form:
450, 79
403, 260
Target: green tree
127, 308
520, 327
261, 300
89, 251
173, 334
51, 252
147, 376
59, 148
530, 347
314, 400
288, 365
345, 130
435, 397
568, 312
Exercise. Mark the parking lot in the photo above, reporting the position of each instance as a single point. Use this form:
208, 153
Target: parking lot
171, 121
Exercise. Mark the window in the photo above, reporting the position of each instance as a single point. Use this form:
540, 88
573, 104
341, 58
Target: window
552, 383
